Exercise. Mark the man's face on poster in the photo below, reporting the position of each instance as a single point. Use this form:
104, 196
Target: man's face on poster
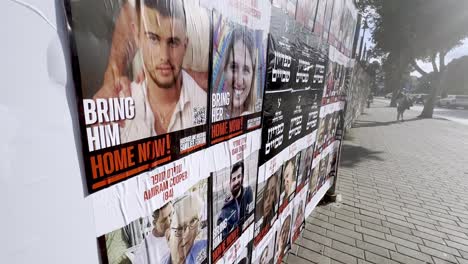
163, 222
269, 195
288, 178
236, 182
184, 230
163, 42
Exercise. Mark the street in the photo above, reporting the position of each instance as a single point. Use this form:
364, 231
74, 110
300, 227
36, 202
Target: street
456, 115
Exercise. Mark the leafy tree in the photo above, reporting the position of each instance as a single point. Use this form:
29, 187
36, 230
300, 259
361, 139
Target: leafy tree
410, 30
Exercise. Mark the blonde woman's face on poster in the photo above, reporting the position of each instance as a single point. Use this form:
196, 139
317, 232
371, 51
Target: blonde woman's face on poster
239, 74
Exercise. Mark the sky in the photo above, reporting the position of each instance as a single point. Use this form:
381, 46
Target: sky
453, 54
427, 66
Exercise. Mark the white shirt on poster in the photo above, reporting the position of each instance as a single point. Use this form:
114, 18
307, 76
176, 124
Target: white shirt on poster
189, 111
151, 250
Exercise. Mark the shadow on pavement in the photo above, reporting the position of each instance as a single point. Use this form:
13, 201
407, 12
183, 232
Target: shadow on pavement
355, 154
363, 123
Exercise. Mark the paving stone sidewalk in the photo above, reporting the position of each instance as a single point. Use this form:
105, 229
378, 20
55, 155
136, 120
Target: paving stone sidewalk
405, 195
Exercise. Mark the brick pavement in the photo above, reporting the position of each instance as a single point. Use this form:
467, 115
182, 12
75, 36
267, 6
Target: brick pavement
405, 199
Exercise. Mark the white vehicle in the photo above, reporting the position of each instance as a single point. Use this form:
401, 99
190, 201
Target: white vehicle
453, 101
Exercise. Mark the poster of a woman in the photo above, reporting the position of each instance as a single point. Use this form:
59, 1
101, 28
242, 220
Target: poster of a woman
238, 65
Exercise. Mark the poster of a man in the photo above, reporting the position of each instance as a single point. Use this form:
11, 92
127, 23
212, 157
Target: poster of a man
177, 233
305, 165
268, 200
141, 75
238, 70
235, 209
234, 190
150, 76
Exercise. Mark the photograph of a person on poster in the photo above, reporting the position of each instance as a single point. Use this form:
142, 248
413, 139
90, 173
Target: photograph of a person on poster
176, 233
299, 216
282, 239
235, 209
314, 180
267, 203
169, 98
305, 165
289, 178
183, 245
155, 244
237, 80
265, 252
323, 171
148, 61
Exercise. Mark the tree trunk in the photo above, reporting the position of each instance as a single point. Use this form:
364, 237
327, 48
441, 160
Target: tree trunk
401, 63
428, 110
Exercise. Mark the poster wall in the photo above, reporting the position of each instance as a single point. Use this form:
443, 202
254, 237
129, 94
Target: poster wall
208, 127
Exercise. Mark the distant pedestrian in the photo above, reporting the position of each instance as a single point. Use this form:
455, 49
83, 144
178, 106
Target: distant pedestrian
403, 103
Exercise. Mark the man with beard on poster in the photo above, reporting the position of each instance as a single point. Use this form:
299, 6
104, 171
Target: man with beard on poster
181, 238
168, 99
235, 209
155, 245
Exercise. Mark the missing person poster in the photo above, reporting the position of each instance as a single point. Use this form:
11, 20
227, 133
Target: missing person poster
283, 233
305, 163
143, 219
141, 75
268, 200
289, 180
234, 166
240, 31
264, 252
314, 174
300, 202
234, 190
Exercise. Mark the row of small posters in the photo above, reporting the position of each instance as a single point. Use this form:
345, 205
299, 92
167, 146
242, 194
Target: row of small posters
208, 133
